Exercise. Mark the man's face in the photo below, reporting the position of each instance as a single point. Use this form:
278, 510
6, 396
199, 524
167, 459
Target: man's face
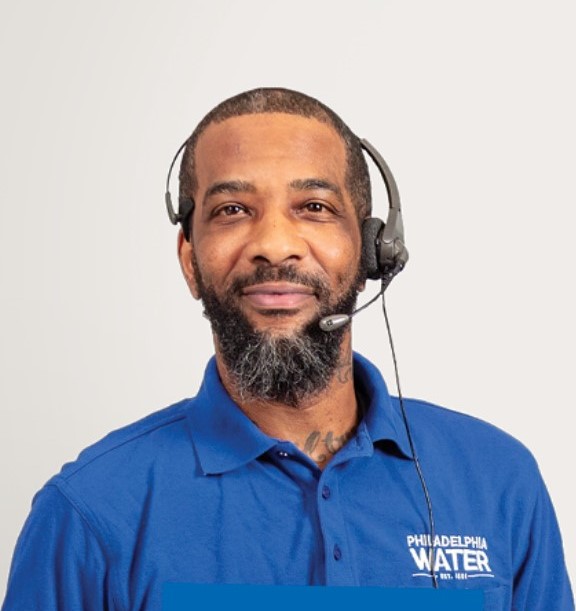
272, 194
275, 243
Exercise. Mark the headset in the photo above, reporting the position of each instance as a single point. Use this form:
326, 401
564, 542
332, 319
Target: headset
384, 253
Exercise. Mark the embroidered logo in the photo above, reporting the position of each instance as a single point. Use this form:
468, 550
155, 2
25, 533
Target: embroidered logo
455, 556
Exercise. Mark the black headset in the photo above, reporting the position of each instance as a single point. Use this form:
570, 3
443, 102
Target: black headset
383, 251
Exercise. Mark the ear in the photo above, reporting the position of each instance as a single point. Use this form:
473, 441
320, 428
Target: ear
185, 255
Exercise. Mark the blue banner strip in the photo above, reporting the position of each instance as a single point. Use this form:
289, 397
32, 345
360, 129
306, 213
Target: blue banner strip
195, 597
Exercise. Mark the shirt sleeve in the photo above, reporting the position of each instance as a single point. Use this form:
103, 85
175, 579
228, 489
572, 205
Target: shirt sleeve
542, 581
58, 563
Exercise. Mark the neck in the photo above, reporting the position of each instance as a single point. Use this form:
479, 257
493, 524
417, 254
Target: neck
319, 425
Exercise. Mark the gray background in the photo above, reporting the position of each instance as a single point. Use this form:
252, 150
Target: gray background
471, 103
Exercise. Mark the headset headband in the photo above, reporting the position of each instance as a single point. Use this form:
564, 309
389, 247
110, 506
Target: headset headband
394, 226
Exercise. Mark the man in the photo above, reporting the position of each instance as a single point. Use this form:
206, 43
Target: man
292, 465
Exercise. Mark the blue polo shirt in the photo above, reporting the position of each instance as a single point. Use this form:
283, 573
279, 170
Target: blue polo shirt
196, 493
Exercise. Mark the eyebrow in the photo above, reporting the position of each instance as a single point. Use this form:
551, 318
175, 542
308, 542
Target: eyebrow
299, 184
312, 184
230, 186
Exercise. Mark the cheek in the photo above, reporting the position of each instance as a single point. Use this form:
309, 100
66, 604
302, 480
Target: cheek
341, 255
214, 261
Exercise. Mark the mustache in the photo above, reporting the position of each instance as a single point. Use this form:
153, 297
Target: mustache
286, 273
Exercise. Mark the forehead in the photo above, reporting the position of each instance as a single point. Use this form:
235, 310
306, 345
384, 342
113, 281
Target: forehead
256, 146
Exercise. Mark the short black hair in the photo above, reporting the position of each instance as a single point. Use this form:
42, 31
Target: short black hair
280, 100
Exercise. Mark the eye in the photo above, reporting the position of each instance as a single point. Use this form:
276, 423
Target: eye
229, 210
318, 211
315, 207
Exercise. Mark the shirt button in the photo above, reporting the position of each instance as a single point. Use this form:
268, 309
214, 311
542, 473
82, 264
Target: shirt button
337, 552
325, 492
283, 454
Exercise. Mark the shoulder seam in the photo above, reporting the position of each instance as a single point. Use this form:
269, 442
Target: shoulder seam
120, 443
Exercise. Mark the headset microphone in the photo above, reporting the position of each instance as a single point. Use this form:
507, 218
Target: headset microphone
336, 321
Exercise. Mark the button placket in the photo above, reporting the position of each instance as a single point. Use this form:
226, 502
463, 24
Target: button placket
338, 568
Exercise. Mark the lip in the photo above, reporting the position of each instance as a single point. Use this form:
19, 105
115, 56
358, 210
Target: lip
278, 295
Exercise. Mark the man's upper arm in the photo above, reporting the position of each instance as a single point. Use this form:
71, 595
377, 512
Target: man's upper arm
58, 562
542, 582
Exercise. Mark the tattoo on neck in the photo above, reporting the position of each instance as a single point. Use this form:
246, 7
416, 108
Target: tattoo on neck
320, 449
344, 371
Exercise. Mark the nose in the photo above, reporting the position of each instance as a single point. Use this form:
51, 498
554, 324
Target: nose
276, 240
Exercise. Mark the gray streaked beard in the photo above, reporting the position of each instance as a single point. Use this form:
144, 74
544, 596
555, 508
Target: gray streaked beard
285, 370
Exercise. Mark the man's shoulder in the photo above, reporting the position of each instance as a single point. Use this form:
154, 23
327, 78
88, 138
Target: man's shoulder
464, 434
135, 445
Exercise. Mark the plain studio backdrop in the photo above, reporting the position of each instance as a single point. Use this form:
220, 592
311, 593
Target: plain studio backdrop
472, 105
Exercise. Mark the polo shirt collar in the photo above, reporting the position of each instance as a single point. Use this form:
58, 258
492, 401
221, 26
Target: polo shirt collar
223, 436
226, 439
382, 420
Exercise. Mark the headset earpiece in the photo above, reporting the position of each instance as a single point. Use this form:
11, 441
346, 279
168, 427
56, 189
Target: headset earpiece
383, 251
185, 204
381, 259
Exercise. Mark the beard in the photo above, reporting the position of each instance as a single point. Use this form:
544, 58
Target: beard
285, 369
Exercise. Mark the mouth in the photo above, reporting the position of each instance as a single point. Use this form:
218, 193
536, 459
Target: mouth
278, 295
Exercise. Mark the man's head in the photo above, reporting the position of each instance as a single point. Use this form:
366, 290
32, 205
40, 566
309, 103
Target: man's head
275, 244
